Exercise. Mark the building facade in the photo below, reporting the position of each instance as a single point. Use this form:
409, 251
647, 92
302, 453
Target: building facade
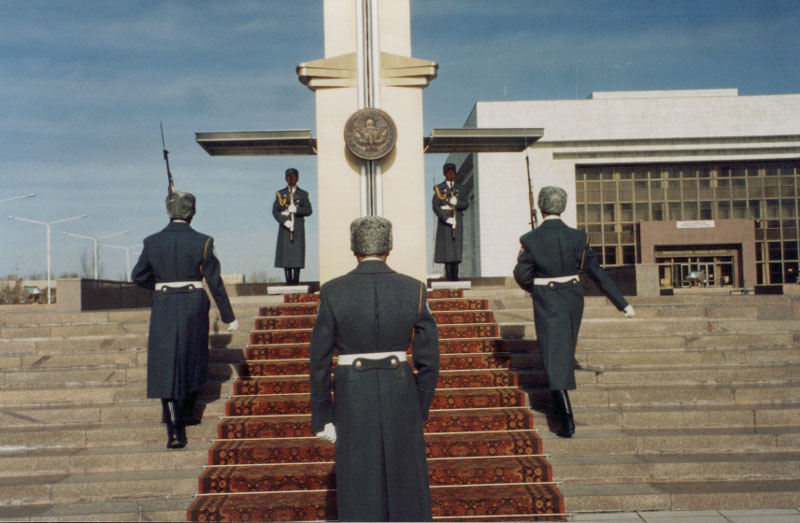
702, 183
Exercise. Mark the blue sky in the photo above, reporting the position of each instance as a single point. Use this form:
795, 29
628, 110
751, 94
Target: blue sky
84, 84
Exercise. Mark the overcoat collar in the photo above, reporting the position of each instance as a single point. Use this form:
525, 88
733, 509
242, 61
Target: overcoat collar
372, 267
552, 222
178, 227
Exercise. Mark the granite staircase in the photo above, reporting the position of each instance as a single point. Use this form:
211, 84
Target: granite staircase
692, 405
79, 439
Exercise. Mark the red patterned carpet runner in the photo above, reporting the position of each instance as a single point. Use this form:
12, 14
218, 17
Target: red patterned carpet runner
484, 457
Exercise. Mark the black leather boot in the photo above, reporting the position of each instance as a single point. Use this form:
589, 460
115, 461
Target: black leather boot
176, 432
287, 275
187, 409
295, 276
562, 411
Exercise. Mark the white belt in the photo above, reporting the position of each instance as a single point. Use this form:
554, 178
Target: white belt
178, 284
556, 279
348, 359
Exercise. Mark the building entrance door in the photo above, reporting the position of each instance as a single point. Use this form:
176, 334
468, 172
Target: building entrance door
692, 269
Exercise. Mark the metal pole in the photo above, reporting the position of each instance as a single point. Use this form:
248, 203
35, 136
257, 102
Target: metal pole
17, 198
47, 227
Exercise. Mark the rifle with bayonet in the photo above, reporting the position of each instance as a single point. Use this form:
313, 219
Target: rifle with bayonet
171, 187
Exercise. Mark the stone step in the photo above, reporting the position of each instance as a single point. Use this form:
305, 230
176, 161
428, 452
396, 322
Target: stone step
634, 327
165, 507
98, 435
321, 475
688, 416
446, 420
594, 441
35, 346
135, 410
311, 449
125, 316
484, 501
514, 312
79, 460
674, 496
307, 321
676, 467
96, 487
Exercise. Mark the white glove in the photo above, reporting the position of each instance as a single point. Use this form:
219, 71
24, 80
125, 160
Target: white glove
285, 213
292, 208
234, 325
629, 312
445, 207
289, 225
453, 200
451, 222
328, 433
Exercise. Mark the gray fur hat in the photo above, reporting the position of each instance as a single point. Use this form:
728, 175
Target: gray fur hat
370, 235
180, 206
552, 200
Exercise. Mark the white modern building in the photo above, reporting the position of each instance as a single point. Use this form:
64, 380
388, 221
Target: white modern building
688, 180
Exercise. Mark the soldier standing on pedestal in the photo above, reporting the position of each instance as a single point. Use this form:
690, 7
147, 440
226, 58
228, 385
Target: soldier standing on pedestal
289, 210
448, 204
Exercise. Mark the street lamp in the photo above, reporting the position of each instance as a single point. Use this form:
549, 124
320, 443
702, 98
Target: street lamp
127, 257
95, 243
47, 227
17, 198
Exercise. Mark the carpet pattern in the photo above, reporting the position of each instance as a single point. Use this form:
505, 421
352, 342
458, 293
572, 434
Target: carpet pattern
485, 460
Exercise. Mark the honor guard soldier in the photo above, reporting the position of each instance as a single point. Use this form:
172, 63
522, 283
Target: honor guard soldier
174, 263
548, 266
448, 204
290, 210
372, 316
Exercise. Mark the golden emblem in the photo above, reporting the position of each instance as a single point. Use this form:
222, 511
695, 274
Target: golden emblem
370, 134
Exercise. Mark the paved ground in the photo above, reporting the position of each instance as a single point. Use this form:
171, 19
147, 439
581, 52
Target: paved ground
688, 516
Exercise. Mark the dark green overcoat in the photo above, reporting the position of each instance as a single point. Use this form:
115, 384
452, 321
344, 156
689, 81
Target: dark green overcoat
290, 250
177, 344
554, 249
378, 410
449, 241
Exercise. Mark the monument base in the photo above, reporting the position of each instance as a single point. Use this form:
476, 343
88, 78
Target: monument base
451, 285
287, 289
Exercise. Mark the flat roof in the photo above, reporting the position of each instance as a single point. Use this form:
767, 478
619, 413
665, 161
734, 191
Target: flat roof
258, 143
481, 140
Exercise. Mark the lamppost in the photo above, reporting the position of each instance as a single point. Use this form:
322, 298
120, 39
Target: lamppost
17, 198
47, 228
95, 244
127, 257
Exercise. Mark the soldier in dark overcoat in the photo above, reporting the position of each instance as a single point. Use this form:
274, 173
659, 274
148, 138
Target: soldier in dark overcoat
174, 262
548, 266
290, 209
372, 316
449, 201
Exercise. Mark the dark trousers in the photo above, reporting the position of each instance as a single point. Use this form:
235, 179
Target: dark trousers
451, 271
292, 276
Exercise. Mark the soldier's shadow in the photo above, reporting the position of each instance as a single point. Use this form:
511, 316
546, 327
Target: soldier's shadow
525, 360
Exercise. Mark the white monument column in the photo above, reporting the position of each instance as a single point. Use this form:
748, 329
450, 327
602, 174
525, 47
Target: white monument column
368, 42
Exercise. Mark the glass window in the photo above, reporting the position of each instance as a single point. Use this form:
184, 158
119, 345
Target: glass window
610, 234
739, 210
675, 213
641, 212
739, 188
790, 250
608, 212
592, 191
705, 211
581, 211
723, 210
673, 190
628, 254
626, 191
595, 234
593, 213
690, 189
657, 211
690, 211
609, 191
773, 209
641, 193
774, 250
788, 209
626, 212
775, 273
610, 255
627, 233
